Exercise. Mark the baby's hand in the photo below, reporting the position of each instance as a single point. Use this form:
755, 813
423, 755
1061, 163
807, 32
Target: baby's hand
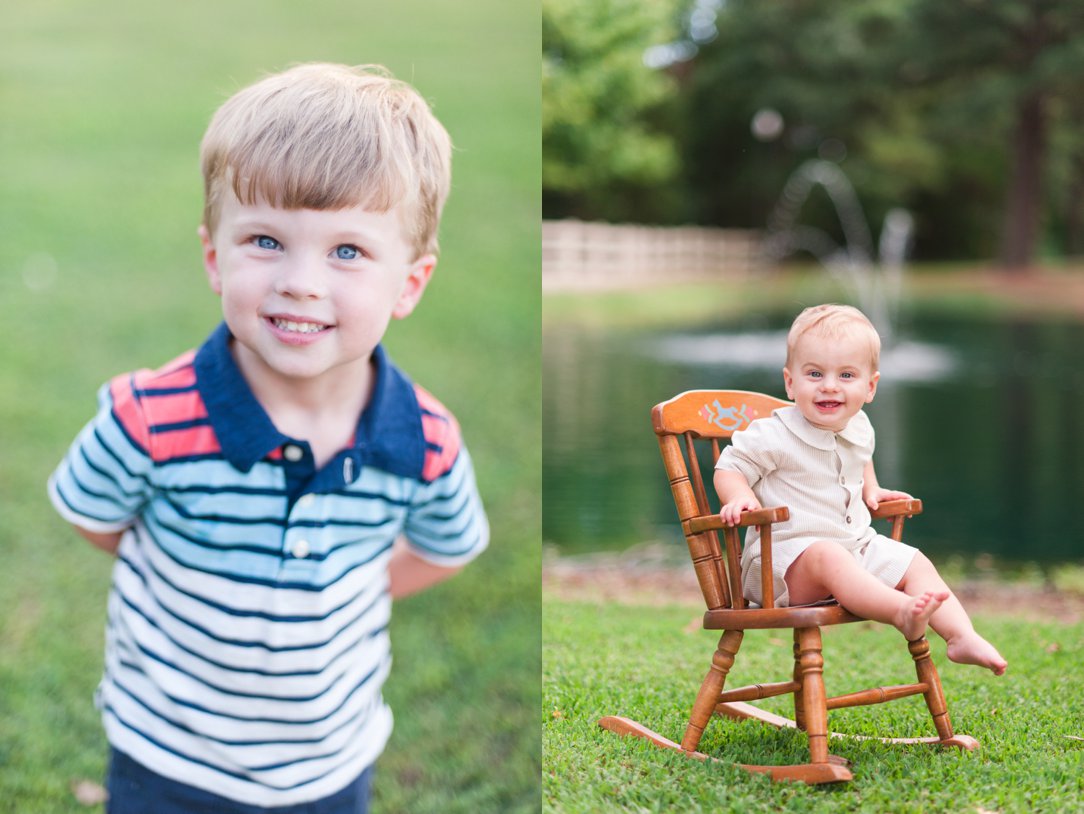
878, 496
731, 512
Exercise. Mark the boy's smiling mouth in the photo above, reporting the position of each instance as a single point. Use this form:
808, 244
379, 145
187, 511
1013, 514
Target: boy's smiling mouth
294, 330
297, 326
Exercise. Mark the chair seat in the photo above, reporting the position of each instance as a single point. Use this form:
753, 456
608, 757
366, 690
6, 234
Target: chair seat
791, 617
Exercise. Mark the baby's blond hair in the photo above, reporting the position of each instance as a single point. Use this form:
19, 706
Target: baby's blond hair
324, 136
834, 322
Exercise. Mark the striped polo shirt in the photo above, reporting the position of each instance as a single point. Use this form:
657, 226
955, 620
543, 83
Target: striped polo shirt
247, 633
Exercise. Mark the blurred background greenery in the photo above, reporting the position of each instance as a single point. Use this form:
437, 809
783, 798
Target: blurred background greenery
103, 105
696, 111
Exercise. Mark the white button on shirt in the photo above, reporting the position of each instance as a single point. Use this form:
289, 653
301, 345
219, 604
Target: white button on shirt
293, 453
301, 549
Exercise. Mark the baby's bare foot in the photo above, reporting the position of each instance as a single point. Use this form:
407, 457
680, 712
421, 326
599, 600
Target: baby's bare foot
914, 614
971, 648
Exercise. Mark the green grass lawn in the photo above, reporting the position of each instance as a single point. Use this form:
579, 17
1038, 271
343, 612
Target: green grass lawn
646, 663
100, 272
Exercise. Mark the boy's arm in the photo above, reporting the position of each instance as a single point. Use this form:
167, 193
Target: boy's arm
735, 495
408, 573
105, 480
106, 541
872, 492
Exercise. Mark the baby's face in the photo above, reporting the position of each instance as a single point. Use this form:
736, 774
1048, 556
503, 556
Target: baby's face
309, 293
830, 380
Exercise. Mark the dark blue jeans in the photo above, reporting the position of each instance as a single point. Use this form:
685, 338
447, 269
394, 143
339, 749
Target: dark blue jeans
134, 789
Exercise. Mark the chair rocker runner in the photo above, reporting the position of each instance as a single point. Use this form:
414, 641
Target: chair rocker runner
712, 416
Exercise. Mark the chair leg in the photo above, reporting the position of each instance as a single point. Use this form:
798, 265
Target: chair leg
814, 709
708, 696
935, 696
823, 768
799, 711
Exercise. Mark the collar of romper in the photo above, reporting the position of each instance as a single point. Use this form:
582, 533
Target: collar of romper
858, 432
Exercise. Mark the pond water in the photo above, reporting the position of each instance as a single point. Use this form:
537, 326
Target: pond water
983, 419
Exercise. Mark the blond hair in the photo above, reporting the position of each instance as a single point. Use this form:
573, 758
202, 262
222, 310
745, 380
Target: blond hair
324, 136
834, 322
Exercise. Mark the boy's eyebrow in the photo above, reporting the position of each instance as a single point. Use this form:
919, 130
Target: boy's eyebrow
260, 220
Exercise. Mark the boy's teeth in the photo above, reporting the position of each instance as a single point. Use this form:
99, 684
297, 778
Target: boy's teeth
298, 327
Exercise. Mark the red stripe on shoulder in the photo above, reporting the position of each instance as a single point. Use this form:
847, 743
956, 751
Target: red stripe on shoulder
179, 373
442, 438
127, 410
154, 405
184, 443
174, 408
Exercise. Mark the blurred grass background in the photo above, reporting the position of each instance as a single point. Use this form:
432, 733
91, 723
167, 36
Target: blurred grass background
103, 106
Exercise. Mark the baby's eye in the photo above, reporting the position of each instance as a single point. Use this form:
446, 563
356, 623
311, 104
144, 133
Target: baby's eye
814, 374
347, 252
846, 375
266, 242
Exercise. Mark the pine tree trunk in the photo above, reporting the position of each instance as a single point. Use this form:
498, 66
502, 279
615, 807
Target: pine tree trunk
1074, 210
1023, 205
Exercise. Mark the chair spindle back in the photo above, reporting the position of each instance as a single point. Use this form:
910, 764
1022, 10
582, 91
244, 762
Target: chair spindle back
712, 416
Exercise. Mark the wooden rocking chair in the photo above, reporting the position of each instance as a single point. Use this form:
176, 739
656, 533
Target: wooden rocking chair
712, 416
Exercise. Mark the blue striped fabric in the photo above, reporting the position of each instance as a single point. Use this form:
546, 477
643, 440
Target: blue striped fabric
247, 633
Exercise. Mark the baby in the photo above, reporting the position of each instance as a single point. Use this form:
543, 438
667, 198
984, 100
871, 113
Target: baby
816, 457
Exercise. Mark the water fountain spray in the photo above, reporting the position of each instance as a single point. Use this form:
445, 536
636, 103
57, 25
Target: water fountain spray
874, 281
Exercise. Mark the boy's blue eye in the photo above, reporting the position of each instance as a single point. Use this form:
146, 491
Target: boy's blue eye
265, 242
345, 252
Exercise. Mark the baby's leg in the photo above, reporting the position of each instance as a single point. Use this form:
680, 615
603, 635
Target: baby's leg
828, 569
964, 645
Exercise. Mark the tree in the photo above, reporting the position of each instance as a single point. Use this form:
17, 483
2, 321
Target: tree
940, 107
1024, 56
827, 69
603, 153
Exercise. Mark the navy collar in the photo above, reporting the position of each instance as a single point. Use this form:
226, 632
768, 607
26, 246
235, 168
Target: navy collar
389, 433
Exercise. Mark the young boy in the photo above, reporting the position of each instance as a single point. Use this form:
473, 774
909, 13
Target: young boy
269, 494
816, 457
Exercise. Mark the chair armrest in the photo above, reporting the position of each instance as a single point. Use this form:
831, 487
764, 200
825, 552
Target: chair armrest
713, 522
897, 508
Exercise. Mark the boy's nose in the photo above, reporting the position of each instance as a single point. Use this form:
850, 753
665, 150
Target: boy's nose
300, 280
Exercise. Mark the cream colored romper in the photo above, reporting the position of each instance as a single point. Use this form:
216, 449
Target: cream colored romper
817, 474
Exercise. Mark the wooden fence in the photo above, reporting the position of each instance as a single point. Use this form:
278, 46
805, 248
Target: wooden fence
578, 256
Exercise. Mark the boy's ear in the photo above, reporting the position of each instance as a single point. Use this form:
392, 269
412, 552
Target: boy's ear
210, 260
787, 379
414, 286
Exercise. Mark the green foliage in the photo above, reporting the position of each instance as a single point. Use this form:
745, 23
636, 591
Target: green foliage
104, 107
1014, 54
599, 137
920, 101
647, 664
843, 77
